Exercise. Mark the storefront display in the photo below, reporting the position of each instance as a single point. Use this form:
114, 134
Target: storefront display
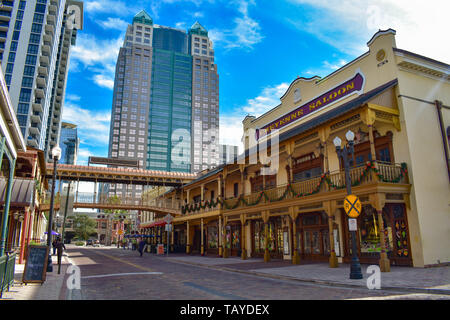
212, 237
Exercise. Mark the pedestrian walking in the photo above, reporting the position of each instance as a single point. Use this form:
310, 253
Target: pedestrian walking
141, 246
54, 246
60, 247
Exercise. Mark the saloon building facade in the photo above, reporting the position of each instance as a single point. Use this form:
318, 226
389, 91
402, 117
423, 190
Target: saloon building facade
397, 104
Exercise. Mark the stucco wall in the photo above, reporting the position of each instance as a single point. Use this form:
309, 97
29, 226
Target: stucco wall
430, 193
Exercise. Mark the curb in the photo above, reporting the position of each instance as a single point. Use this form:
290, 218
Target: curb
321, 282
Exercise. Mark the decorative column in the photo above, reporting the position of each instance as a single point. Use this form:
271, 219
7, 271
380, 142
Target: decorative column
242, 170
188, 245
202, 245
225, 252
243, 245
219, 236
172, 238
6, 205
265, 216
293, 214
330, 209
385, 264
378, 201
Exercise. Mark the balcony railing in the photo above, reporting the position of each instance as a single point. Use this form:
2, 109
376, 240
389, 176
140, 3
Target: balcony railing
369, 173
104, 199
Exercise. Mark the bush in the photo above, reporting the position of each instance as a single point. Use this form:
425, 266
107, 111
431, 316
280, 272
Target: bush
79, 243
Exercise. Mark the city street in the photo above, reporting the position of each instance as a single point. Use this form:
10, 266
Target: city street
111, 273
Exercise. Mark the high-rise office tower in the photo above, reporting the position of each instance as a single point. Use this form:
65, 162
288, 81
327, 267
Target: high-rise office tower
205, 100
34, 51
69, 143
165, 111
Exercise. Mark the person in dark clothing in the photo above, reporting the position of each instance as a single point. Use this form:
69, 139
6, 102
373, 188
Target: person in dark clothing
54, 246
141, 246
59, 250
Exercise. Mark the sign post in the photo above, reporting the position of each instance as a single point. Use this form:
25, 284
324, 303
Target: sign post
352, 207
168, 219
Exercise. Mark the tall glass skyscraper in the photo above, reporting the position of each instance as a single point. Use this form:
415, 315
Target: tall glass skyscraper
34, 54
165, 110
69, 143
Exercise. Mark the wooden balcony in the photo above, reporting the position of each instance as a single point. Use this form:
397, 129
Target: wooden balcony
371, 177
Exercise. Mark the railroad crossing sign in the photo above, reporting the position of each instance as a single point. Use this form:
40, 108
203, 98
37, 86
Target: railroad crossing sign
352, 206
168, 218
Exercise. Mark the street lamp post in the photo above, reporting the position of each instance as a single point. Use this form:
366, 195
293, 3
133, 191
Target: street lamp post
344, 154
56, 155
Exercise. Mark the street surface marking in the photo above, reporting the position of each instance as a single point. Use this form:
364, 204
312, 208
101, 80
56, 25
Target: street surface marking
126, 262
119, 274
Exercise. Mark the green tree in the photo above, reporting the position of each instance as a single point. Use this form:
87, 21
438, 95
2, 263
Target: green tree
84, 227
114, 200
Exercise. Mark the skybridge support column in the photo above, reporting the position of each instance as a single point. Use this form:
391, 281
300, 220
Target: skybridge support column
95, 191
76, 195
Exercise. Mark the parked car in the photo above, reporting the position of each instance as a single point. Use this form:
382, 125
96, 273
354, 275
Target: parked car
93, 242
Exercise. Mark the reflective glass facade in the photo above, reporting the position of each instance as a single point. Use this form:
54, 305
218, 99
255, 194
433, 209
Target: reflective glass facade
170, 112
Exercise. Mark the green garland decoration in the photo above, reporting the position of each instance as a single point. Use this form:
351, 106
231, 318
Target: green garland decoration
370, 166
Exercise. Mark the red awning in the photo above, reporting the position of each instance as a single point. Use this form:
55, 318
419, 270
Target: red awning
155, 224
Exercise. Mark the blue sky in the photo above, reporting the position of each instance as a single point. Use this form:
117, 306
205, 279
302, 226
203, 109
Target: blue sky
261, 46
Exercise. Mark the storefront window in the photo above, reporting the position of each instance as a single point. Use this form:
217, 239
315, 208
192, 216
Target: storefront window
280, 240
307, 242
271, 237
369, 231
326, 242
212, 237
259, 237
236, 238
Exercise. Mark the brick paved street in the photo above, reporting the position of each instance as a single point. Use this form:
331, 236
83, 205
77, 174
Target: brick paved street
108, 273
181, 277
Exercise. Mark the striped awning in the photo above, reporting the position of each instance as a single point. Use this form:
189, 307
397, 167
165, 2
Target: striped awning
153, 224
22, 192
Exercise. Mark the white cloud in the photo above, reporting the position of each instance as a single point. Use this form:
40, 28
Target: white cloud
113, 23
73, 97
267, 100
99, 57
104, 81
181, 25
246, 31
93, 127
122, 8
420, 25
231, 129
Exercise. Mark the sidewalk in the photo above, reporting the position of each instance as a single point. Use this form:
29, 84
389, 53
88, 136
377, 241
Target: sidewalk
51, 289
419, 280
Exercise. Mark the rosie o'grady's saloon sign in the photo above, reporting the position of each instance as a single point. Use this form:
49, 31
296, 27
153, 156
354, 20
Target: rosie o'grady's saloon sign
354, 85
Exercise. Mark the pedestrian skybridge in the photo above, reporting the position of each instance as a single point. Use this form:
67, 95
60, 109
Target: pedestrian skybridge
104, 177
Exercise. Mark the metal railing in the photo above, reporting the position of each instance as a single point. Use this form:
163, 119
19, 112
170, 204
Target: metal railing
104, 199
7, 267
358, 175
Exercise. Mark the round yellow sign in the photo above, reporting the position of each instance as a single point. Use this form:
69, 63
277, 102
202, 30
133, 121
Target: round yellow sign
381, 54
352, 206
